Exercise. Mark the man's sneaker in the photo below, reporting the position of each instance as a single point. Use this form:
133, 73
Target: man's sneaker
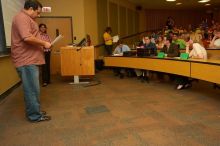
187, 85
42, 119
179, 87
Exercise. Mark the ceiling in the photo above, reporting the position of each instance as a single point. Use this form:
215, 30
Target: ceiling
186, 4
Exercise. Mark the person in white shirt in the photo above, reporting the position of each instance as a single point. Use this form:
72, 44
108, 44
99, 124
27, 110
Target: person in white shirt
198, 51
119, 50
215, 43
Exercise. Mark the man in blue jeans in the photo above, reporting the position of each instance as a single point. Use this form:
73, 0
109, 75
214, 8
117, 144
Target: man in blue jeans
27, 53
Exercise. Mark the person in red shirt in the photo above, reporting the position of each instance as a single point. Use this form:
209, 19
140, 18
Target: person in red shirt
27, 54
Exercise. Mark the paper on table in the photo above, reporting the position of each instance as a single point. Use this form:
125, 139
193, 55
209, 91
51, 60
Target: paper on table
57, 39
115, 38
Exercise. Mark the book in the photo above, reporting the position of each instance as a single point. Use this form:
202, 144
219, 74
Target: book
115, 39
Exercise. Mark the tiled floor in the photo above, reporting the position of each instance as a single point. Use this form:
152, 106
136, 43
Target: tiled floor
117, 112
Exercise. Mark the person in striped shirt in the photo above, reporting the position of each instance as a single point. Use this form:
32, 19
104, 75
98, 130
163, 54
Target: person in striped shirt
46, 66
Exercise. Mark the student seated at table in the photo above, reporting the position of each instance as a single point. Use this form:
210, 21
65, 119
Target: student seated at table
149, 46
119, 50
160, 42
170, 49
178, 41
151, 50
198, 52
215, 43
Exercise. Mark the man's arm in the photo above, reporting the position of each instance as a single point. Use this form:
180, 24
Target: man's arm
35, 41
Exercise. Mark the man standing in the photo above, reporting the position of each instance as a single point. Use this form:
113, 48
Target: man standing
27, 53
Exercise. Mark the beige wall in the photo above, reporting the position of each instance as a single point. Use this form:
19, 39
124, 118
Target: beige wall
142, 21
9, 76
90, 11
74, 8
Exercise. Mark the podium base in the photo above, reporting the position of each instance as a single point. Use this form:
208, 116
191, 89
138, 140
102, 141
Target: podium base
77, 82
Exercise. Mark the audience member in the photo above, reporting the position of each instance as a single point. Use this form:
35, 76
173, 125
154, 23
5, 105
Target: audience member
119, 50
151, 50
198, 51
160, 43
170, 23
193, 41
170, 49
178, 41
215, 43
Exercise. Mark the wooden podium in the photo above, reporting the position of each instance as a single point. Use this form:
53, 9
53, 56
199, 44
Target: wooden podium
76, 61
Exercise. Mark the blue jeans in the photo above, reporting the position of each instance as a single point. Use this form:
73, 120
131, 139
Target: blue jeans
29, 75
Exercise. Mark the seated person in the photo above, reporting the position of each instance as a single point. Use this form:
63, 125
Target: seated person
170, 49
120, 49
215, 43
198, 51
178, 41
151, 51
160, 43
194, 41
150, 47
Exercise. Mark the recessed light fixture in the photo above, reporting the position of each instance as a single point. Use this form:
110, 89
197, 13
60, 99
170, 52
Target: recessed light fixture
170, 0
207, 4
178, 3
203, 1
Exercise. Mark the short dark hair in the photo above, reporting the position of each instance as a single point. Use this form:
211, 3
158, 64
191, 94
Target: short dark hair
148, 36
120, 42
108, 29
42, 24
32, 4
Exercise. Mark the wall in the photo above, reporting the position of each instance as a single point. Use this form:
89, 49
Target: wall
9, 76
90, 11
74, 8
156, 19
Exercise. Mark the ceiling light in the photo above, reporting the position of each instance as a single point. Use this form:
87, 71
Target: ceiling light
203, 1
207, 4
170, 0
178, 3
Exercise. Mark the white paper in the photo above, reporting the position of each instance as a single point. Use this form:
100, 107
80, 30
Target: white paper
57, 39
115, 38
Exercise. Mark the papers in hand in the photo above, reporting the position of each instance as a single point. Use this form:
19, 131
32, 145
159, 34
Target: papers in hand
57, 39
115, 39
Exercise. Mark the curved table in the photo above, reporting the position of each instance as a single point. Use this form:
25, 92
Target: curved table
208, 70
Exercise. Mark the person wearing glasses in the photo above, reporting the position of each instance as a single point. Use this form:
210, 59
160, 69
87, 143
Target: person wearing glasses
27, 54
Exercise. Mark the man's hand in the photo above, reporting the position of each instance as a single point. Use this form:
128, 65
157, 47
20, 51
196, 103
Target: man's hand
47, 45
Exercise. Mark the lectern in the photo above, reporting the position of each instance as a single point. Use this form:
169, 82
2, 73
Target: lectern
76, 61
